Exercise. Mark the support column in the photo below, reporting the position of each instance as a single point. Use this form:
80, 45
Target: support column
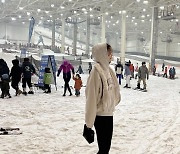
53, 36
103, 29
167, 47
154, 38
63, 35
123, 38
75, 39
87, 34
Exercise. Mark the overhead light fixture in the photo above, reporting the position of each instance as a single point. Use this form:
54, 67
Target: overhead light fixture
161, 7
144, 10
3, 1
138, 1
70, 0
159, 17
99, 17
143, 16
117, 21
83, 9
142, 20
41, 17
148, 15
145, 2
178, 43
75, 12
52, 5
111, 17
62, 7
124, 11
23, 22
127, 16
107, 13
28, 13
142, 32
114, 24
133, 17
90, 9
50, 16
47, 12
120, 12
91, 15
38, 10
19, 16
20, 8
132, 20
13, 19
160, 32
85, 12
135, 23
61, 14
177, 20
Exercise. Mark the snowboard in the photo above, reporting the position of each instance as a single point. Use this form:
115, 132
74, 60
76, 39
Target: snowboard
10, 131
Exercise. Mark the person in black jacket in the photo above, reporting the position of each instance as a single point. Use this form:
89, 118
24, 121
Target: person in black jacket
4, 70
27, 71
15, 75
119, 71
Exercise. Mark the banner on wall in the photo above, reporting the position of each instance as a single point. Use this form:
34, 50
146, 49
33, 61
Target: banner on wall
31, 27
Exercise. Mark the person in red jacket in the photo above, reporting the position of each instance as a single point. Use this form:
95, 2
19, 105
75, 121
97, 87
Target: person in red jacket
78, 84
165, 72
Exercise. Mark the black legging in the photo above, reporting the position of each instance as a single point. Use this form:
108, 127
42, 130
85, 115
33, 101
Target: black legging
66, 85
104, 131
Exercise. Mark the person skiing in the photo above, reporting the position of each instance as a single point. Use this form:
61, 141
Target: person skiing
119, 71
67, 68
102, 95
15, 76
90, 67
143, 73
27, 71
78, 84
127, 73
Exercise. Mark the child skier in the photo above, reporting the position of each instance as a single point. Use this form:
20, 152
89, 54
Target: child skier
78, 84
5, 86
47, 80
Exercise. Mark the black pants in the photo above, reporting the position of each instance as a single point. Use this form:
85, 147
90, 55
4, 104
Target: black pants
104, 131
28, 81
47, 87
15, 84
77, 92
66, 85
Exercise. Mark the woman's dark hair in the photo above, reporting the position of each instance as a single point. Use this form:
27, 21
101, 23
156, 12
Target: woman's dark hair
108, 47
78, 76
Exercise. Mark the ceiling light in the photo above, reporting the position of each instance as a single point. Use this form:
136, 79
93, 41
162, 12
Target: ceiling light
38, 10
150, 20
13, 19
91, 15
114, 24
50, 16
70, 0
119, 12
19, 16
20, 8
90, 9
3, 1
178, 43
47, 12
142, 20
124, 11
85, 12
177, 6
75, 12
107, 13
41, 17
133, 17
28, 13
127, 16
148, 15
111, 5
138, 0
111, 17
161, 7
132, 20
29, 19
106, 21
117, 21
135, 23
52, 5
177, 20
144, 10
83, 9
61, 14
23, 23
159, 16
62, 7
145, 2
142, 32
143, 16
99, 17
160, 32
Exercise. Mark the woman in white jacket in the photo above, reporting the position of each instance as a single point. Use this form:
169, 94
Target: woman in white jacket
102, 95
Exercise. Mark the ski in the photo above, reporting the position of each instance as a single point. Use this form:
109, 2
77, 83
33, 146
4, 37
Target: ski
8, 129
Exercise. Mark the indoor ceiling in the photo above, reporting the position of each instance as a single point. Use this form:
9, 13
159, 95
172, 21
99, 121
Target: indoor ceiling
139, 13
